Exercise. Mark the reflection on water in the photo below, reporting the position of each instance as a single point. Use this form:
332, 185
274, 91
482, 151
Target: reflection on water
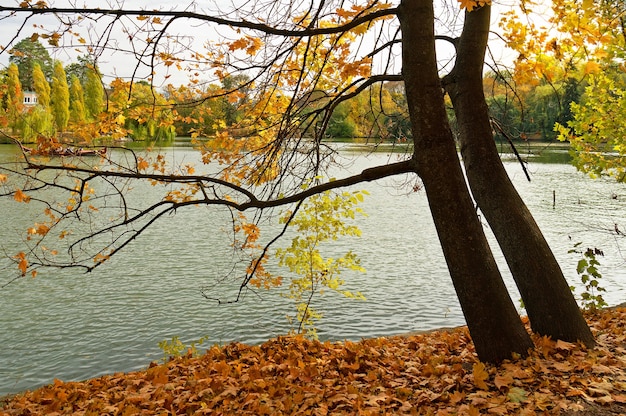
70, 325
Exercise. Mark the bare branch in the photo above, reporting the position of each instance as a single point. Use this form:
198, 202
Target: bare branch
242, 24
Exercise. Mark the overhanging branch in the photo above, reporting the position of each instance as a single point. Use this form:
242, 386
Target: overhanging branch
241, 24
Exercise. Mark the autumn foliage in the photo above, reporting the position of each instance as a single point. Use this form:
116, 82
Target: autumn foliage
433, 373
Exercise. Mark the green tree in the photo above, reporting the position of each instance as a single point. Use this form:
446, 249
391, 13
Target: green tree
14, 98
596, 133
94, 93
341, 125
39, 120
145, 112
77, 101
60, 97
25, 54
80, 69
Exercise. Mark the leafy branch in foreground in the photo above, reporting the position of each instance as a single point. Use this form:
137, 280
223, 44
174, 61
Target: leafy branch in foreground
320, 219
587, 269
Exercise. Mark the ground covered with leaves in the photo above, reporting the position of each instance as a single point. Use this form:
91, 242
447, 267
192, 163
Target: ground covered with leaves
433, 373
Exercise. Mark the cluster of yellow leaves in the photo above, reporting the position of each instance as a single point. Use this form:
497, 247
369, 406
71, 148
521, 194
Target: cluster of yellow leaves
358, 10
473, 4
435, 373
101, 258
571, 39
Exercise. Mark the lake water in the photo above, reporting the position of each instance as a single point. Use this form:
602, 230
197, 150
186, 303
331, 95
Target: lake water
70, 325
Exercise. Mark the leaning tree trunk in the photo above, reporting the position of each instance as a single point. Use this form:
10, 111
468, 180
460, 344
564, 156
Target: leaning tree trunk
493, 322
551, 307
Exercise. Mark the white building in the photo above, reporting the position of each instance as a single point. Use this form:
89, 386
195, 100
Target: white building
30, 98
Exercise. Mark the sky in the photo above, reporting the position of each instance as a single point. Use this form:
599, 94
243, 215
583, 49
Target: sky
117, 64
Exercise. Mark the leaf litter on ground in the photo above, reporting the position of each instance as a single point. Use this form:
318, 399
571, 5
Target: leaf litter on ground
435, 373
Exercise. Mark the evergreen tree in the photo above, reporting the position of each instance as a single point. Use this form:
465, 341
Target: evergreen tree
41, 86
25, 54
94, 93
60, 98
38, 121
77, 101
14, 97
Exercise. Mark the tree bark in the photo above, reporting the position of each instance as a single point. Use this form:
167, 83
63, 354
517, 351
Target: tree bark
551, 307
492, 319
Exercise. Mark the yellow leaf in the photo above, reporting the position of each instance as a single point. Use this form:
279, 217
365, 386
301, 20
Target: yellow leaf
3, 178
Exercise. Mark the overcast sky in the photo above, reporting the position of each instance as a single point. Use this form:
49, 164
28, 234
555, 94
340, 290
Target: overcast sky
119, 64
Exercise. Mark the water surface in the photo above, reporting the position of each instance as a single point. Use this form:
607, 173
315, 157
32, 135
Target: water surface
71, 325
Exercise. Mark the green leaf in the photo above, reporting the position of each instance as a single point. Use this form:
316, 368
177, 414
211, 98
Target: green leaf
517, 395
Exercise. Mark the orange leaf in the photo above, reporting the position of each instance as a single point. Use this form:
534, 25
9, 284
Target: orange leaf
480, 376
503, 381
22, 264
142, 164
21, 196
592, 68
564, 346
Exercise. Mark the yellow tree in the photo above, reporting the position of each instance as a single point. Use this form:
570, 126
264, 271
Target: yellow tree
143, 112
41, 87
38, 122
302, 62
94, 93
14, 98
60, 97
585, 45
77, 101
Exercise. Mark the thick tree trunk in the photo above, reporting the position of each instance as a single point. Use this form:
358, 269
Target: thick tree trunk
551, 307
493, 322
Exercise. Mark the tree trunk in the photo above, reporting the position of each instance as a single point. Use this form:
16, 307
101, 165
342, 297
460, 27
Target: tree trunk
551, 307
493, 322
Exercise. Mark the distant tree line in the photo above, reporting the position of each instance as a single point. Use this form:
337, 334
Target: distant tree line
73, 103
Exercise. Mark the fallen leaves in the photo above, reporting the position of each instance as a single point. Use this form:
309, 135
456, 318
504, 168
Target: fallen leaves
435, 373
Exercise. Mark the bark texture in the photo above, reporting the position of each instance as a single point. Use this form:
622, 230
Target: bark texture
492, 319
551, 307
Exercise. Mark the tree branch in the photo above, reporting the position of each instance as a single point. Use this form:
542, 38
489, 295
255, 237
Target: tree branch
242, 24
